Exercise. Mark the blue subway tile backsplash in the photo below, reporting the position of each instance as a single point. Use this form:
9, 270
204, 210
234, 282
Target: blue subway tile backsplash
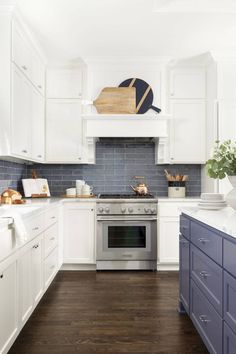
117, 161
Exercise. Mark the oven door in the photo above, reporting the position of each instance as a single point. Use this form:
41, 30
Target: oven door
129, 239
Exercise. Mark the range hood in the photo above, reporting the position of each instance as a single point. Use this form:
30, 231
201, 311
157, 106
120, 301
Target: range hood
126, 125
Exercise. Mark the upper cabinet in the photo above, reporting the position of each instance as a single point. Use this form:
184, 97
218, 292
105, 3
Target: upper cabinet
64, 83
25, 56
65, 138
186, 142
21, 93
187, 83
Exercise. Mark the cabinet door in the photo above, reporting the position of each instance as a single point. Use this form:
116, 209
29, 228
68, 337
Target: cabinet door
168, 250
187, 136
63, 131
8, 306
187, 83
79, 233
37, 270
38, 126
21, 111
64, 83
21, 51
38, 72
25, 285
184, 253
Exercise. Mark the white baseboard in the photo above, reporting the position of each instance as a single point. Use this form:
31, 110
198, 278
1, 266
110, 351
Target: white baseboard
78, 267
166, 266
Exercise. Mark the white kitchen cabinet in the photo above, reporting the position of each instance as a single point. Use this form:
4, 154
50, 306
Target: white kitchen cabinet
38, 126
38, 72
63, 131
50, 267
187, 83
64, 83
169, 211
37, 270
21, 114
188, 131
21, 51
169, 242
79, 233
30, 273
8, 304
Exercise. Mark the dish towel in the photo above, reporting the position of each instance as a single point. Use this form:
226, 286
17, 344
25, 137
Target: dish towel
18, 225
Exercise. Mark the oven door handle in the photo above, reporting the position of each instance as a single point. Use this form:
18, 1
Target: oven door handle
129, 218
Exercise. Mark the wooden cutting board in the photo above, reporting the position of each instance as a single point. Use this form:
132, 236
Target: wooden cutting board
116, 100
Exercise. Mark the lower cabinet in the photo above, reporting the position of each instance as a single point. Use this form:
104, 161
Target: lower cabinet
169, 227
229, 340
184, 252
30, 273
207, 289
8, 304
79, 233
50, 267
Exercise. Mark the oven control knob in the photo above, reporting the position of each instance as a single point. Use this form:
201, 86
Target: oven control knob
100, 209
130, 210
147, 210
153, 210
107, 210
123, 210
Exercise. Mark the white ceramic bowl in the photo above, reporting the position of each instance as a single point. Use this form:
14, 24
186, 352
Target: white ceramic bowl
212, 196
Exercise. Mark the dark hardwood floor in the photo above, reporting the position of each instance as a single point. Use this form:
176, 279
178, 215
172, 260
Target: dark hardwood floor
110, 312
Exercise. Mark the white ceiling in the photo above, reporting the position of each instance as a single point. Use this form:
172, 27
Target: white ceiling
70, 29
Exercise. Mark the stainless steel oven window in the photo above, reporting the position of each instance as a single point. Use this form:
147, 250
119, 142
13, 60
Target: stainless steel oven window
126, 236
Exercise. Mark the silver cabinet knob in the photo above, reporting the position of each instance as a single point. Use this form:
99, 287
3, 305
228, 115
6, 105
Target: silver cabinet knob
24, 151
24, 67
100, 209
39, 86
130, 210
107, 210
123, 210
147, 210
39, 156
153, 210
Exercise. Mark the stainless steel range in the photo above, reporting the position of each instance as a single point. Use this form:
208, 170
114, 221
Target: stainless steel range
126, 232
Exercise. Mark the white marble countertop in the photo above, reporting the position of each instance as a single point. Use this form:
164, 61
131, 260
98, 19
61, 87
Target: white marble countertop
223, 220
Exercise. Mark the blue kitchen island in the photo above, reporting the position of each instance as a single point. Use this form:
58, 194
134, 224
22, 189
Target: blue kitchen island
208, 275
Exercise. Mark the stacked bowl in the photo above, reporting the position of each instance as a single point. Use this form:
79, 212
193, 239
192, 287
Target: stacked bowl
212, 201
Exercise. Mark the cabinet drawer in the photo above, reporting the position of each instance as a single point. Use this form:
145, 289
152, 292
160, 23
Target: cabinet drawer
230, 300
35, 225
206, 320
208, 276
208, 241
229, 340
50, 239
229, 259
50, 267
51, 217
184, 226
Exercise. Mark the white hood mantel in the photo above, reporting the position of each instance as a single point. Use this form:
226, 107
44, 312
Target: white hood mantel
126, 125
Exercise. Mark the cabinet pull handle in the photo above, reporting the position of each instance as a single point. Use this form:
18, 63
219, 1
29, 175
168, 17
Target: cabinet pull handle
52, 238
39, 156
204, 319
39, 86
24, 67
204, 274
35, 228
36, 246
24, 151
53, 217
1, 276
203, 240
